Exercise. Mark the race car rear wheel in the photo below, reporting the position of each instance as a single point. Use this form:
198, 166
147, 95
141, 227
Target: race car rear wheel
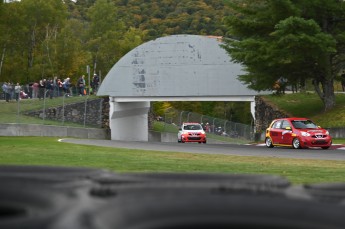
269, 143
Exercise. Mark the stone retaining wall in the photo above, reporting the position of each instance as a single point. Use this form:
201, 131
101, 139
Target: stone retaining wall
265, 113
95, 110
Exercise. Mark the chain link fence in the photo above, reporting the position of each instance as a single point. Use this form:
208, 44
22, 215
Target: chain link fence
70, 109
52, 108
213, 126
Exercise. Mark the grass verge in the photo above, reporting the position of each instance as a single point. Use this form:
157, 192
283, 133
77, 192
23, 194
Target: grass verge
48, 151
309, 105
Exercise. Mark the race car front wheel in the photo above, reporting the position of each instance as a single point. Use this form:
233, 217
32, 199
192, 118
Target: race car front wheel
269, 143
296, 143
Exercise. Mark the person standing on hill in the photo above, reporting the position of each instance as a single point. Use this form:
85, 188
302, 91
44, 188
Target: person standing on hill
81, 85
60, 87
6, 92
49, 88
17, 90
95, 83
66, 86
35, 90
42, 88
11, 90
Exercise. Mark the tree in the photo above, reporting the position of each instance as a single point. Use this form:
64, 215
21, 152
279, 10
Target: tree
166, 17
30, 30
108, 37
12, 62
103, 28
72, 57
288, 39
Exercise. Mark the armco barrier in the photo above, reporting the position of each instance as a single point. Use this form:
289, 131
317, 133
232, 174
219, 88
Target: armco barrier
337, 132
172, 137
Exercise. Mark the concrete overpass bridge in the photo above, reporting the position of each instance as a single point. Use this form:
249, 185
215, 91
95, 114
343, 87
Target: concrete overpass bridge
172, 68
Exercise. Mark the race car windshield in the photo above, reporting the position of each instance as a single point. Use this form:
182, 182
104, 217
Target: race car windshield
303, 124
192, 127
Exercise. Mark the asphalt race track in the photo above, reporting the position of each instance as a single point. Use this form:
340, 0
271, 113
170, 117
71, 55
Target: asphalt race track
336, 152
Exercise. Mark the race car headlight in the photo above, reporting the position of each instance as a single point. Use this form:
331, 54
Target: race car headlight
202, 132
305, 134
327, 133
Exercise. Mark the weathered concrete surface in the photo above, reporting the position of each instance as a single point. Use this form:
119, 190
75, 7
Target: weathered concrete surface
175, 66
51, 131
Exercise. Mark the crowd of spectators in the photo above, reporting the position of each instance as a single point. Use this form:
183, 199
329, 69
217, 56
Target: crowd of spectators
47, 88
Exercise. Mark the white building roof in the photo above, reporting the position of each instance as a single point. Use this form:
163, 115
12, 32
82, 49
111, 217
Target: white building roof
175, 67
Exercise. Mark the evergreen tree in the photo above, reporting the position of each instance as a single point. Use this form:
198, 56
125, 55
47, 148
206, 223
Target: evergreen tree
294, 40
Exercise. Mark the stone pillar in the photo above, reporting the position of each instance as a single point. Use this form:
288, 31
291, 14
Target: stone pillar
129, 120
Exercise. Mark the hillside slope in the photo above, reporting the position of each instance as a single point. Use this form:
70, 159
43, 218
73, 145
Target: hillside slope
309, 105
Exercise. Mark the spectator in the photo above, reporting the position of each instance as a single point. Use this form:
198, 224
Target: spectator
28, 89
42, 88
6, 92
66, 86
10, 90
17, 90
23, 95
207, 128
35, 90
49, 88
95, 83
4, 88
81, 85
60, 87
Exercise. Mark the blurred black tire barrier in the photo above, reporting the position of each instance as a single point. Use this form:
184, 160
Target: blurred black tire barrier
37, 197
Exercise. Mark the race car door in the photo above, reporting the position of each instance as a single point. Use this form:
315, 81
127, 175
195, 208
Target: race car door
286, 133
276, 132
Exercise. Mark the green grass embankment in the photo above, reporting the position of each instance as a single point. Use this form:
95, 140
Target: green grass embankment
48, 151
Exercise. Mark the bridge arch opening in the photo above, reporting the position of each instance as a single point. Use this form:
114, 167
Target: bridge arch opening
172, 68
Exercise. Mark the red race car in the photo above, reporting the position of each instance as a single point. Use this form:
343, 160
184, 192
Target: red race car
191, 132
298, 133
